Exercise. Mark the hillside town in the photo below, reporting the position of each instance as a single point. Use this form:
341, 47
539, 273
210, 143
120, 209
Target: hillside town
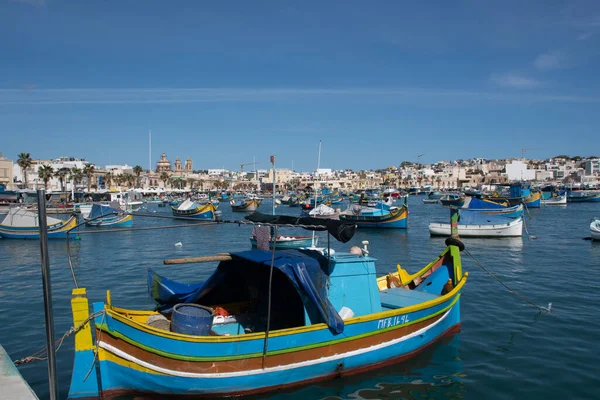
78, 174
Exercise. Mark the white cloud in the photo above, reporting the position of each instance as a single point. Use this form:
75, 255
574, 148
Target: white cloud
554, 59
516, 81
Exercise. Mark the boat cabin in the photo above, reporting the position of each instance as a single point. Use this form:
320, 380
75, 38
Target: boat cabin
308, 288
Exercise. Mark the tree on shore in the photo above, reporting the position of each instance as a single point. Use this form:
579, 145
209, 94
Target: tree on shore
88, 171
164, 177
45, 173
137, 170
75, 176
24, 162
108, 179
61, 174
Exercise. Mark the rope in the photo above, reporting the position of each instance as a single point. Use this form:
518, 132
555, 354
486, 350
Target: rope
42, 354
548, 309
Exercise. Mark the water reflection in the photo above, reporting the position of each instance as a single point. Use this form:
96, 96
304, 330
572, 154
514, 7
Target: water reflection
435, 373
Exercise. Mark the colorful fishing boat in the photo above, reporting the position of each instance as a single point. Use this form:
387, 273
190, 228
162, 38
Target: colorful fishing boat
24, 224
487, 207
245, 205
106, 216
533, 200
557, 199
595, 229
453, 199
583, 196
324, 316
190, 209
474, 224
366, 217
286, 242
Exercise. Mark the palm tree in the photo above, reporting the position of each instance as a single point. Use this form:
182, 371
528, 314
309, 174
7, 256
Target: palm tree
108, 179
128, 180
201, 184
45, 173
137, 170
165, 178
24, 162
88, 171
192, 183
61, 174
117, 179
75, 176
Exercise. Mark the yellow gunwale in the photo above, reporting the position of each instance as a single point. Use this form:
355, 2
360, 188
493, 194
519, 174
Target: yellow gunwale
69, 223
117, 313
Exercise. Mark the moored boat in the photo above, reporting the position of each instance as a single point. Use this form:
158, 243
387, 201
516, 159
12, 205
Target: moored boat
453, 199
23, 224
245, 205
558, 199
286, 242
106, 216
366, 217
533, 200
328, 316
473, 224
190, 209
583, 196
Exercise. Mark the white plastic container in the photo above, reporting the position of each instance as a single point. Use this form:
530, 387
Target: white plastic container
346, 313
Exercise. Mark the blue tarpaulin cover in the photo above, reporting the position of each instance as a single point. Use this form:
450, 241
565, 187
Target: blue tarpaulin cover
99, 210
305, 269
472, 217
478, 204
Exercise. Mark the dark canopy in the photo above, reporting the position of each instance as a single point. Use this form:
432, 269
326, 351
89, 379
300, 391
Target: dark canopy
342, 231
304, 270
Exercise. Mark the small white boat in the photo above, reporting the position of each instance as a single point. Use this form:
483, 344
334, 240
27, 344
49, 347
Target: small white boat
595, 229
324, 211
557, 200
512, 228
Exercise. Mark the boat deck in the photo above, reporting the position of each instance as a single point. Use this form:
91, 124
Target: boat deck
399, 297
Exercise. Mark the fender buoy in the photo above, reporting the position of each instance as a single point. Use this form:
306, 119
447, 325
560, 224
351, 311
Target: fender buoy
455, 242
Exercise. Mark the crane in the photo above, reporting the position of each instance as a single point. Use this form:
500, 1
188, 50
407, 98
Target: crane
524, 150
249, 163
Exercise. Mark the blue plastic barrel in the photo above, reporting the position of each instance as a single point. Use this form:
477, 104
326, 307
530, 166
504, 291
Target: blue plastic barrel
192, 319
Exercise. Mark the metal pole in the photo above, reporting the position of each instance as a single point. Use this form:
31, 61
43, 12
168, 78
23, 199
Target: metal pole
47, 288
273, 163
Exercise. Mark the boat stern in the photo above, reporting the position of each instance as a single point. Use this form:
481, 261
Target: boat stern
84, 380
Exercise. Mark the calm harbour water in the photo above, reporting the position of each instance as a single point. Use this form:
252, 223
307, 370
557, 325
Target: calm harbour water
506, 349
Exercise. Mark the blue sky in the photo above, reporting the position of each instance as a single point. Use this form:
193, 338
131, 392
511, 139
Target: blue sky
378, 82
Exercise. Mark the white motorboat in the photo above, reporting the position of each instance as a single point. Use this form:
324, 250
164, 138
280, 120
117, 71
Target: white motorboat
511, 228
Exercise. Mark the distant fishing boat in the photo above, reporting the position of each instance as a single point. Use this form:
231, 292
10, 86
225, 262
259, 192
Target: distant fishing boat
453, 199
23, 224
487, 207
245, 205
190, 209
533, 200
286, 242
474, 224
106, 216
555, 200
583, 196
367, 217
595, 229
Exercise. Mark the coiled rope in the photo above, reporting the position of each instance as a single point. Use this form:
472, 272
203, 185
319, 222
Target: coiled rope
546, 309
42, 354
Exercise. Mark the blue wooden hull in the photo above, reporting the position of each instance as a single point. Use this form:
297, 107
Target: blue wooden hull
117, 376
57, 231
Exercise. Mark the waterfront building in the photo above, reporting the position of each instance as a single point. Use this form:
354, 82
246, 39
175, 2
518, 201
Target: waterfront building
592, 166
6, 173
163, 165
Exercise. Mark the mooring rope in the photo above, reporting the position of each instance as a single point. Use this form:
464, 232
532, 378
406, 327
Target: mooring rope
547, 309
42, 354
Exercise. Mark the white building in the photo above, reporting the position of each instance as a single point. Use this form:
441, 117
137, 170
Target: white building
517, 171
592, 167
